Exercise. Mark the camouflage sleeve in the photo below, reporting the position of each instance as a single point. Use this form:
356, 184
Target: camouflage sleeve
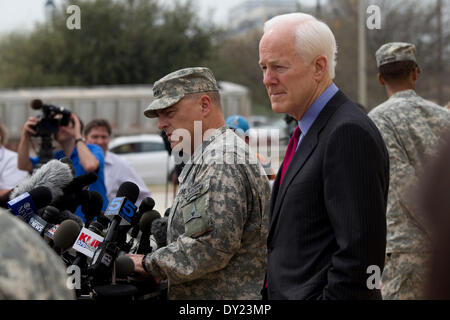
402, 175
29, 269
213, 224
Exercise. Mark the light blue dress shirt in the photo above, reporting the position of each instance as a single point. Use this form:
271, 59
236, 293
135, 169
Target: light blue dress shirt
313, 112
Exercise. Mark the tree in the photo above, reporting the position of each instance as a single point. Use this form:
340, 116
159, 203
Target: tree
405, 21
120, 42
236, 60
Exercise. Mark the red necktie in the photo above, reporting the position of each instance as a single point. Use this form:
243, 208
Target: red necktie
290, 151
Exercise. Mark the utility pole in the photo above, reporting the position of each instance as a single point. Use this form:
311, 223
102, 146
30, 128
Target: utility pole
440, 65
318, 9
362, 75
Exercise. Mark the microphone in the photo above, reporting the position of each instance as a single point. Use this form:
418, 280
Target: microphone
54, 175
85, 245
88, 241
147, 204
145, 226
27, 204
92, 207
53, 216
124, 266
69, 163
159, 231
80, 182
120, 208
104, 220
67, 215
72, 198
65, 235
97, 227
38, 224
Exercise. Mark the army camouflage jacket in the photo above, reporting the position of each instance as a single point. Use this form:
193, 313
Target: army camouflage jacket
217, 228
412, 129
29, 269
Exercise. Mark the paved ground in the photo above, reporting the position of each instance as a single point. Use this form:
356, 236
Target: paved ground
162, 202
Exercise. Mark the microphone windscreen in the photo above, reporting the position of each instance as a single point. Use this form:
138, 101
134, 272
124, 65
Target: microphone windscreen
69, 163
124, 266
54, 175
66, 234
128, 190
159, 231
146, 220
50, 214
41, 196
93, 206
67, 215
147, 204
96, 227
36, 104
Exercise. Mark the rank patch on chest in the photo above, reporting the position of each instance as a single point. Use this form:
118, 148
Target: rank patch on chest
193, 192
192, 215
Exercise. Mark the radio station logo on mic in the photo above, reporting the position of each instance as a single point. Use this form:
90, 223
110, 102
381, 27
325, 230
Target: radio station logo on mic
87, 242
123, 207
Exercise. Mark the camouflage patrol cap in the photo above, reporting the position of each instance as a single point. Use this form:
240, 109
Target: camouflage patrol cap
173, 87
395, 51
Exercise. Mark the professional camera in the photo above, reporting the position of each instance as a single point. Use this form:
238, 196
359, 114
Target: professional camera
52, 118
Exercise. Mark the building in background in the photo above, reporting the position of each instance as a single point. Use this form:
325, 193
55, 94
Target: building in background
49, 9
251, 14
122, 106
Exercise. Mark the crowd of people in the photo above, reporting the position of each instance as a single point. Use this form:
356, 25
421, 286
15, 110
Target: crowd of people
345, 198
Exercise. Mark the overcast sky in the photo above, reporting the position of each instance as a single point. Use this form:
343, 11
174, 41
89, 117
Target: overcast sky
23, 14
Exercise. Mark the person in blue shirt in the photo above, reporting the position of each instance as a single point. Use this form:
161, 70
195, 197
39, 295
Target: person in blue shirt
85, 157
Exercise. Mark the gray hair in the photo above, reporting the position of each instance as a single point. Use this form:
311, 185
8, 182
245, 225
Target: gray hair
313, 37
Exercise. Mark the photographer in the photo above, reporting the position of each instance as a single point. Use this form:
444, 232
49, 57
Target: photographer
85, 157
117, 170
10, 175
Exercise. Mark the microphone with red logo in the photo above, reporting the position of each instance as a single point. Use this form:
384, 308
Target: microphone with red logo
86, 243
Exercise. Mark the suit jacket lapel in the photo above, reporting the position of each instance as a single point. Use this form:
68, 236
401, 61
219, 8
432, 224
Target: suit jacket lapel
275, 188
305, 149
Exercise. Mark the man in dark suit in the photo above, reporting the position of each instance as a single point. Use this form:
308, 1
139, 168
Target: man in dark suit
328, 205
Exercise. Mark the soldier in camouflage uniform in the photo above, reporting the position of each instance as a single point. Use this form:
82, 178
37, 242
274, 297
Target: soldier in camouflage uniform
217, 226
29, 269
412, 129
